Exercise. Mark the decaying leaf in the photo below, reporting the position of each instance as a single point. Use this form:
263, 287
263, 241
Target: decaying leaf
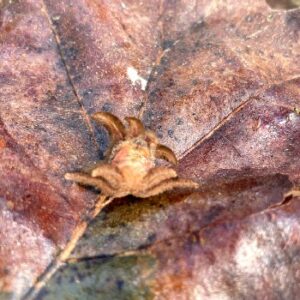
218, 81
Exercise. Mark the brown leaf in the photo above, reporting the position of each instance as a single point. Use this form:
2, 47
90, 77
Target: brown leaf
43, 134
218, 81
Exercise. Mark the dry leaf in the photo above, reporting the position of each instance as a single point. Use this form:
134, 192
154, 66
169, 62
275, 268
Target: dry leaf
218, 81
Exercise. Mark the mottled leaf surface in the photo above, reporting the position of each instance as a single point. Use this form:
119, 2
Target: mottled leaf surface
219, 83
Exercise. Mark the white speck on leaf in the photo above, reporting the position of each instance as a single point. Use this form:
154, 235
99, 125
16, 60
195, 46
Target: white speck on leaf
136, 78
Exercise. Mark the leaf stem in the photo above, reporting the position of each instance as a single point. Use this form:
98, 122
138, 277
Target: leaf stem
60, 260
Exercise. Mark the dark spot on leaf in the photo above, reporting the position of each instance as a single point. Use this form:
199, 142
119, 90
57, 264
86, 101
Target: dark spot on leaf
249, 18
197, 26
43, 293
171, 133
119, 284
151, 238
195, 81
107, 107
167, 44
179, 121
164, 60
70, 53
292, 19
